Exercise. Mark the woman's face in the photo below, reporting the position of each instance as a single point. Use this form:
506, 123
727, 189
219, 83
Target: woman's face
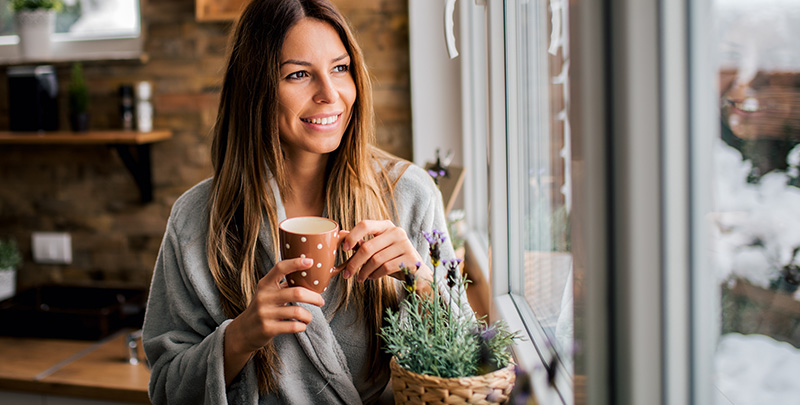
315, 90
760, 67
765, 107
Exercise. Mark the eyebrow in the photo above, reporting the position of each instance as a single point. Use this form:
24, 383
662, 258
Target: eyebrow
304, 63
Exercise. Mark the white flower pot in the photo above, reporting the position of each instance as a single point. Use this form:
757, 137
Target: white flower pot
8, 283
34, 29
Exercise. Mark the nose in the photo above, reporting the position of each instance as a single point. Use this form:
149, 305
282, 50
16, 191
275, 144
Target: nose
326, 93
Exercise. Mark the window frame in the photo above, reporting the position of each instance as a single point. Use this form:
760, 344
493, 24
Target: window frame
70, 47
513, 167
485, 119
639, 104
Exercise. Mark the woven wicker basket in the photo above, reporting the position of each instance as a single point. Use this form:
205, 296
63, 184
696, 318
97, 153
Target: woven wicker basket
413, 388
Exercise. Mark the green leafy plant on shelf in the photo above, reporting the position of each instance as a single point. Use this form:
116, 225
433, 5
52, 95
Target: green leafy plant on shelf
10, 256
432, 334
78, 90
30, 5
78, 94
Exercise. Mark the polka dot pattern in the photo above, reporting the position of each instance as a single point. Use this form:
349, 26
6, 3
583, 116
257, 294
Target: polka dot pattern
322, 247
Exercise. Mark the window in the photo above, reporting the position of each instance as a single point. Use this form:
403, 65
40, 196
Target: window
515, 63
539, 182
652, 195
85, 29
755, 221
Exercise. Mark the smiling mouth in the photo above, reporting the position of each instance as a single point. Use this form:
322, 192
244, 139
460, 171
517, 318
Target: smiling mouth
748, 105
322, 121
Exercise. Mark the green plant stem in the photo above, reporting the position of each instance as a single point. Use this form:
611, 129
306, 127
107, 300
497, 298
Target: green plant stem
435, 301
450, 327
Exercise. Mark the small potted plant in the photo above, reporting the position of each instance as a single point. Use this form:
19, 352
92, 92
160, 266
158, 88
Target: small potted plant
78, 94
10, 258
439, 351
34, 21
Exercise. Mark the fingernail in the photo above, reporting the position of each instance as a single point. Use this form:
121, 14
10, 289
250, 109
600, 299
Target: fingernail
346, 246
308, 262
346, 274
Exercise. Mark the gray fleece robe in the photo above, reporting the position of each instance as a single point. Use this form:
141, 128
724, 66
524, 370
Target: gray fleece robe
185, 326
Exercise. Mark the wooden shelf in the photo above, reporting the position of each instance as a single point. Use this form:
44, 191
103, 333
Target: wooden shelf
83, 138
133, 148
219, 10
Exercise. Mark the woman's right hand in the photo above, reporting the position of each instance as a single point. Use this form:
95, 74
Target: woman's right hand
268, 315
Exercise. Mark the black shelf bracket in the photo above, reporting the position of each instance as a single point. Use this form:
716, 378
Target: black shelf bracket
137, 160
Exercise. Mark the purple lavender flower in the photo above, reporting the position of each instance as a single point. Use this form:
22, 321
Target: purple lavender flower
436, 173
435, 239
522, 391
488, 333
453, 272
484, 353
410, 278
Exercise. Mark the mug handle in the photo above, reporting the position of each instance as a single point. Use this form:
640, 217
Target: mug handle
340, 235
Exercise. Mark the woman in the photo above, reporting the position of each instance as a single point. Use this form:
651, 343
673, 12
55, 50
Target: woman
293, 138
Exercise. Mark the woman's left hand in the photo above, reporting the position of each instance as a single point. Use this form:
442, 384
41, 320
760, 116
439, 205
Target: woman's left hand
383, 254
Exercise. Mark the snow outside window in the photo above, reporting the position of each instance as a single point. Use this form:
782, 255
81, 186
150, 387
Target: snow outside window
756, 217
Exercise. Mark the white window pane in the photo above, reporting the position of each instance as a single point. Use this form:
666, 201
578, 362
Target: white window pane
539, 170
86, 18
85, 30
756, 221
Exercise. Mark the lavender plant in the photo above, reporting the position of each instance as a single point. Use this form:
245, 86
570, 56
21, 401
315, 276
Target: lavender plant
432, 335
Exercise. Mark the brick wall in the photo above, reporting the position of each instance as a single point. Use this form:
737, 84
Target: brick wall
86, 190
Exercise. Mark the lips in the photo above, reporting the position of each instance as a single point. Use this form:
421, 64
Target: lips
748, 105
322, 119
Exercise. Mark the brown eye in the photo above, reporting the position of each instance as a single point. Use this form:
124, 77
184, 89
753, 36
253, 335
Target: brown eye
297, 75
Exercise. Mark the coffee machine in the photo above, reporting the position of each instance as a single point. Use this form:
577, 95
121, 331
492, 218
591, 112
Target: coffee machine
32, 98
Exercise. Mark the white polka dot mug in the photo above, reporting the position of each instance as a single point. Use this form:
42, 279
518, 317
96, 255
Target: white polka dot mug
316, 238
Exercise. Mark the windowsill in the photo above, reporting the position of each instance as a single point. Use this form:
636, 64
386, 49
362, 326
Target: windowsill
503, 307
68, 50
113, 56
525, 353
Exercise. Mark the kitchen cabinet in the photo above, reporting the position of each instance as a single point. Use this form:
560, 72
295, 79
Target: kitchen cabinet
133, 148
218, 10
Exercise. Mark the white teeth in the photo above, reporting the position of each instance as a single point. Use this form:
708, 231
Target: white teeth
749, 105
322, 121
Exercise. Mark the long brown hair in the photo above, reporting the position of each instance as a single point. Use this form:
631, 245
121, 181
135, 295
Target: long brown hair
246, 153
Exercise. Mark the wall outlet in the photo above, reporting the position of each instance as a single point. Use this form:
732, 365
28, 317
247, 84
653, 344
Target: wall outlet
52, 247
